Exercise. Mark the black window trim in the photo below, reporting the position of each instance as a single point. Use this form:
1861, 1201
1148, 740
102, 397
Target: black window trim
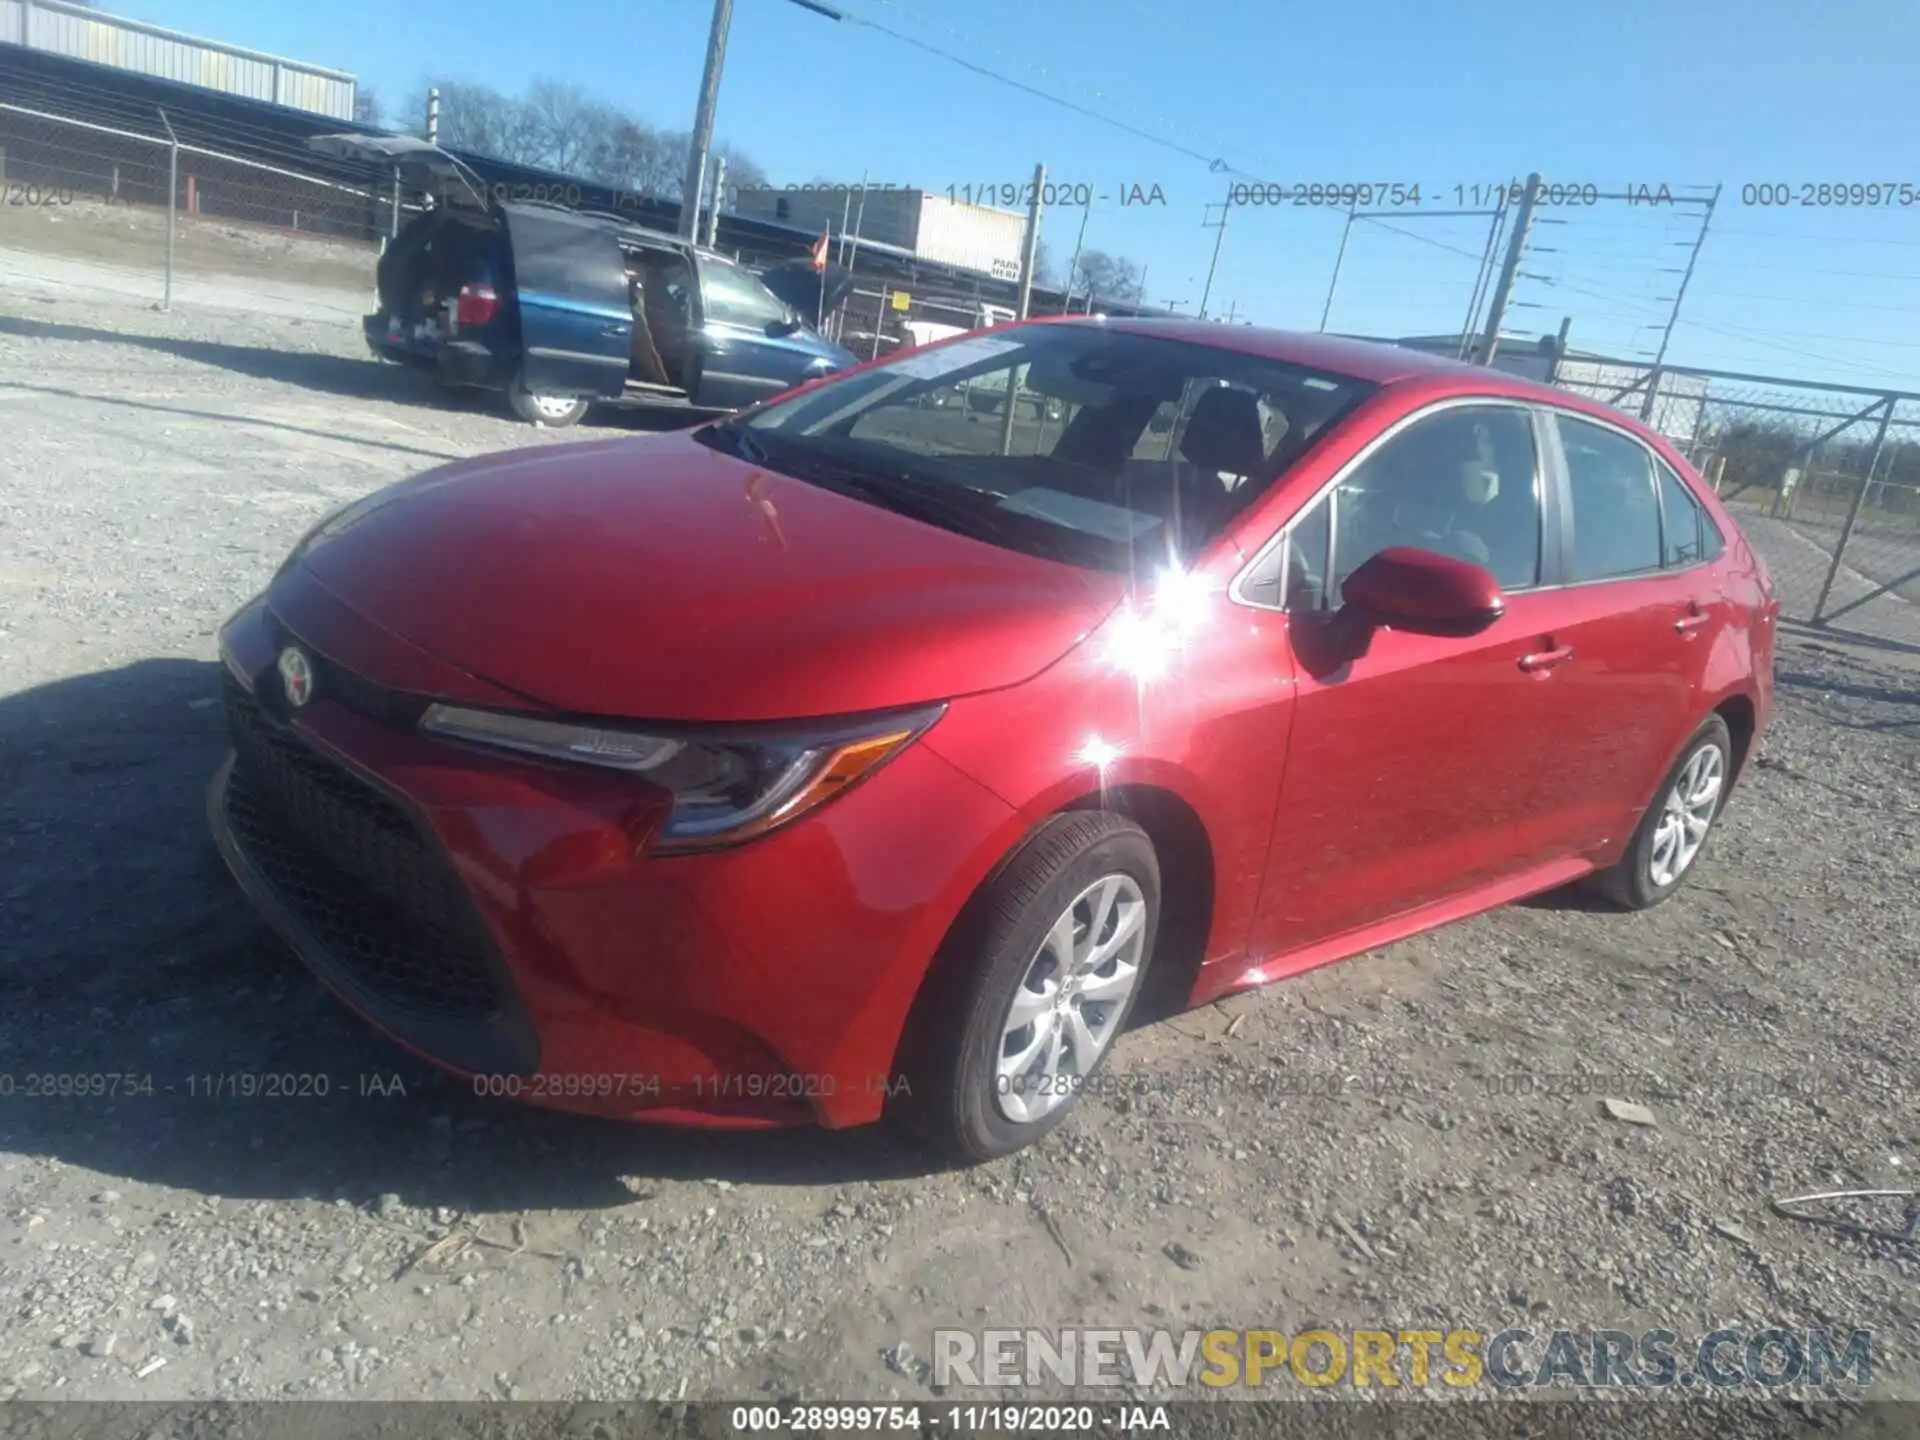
1553, 414
1548, 480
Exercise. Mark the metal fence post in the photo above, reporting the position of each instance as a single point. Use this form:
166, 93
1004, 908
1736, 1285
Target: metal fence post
1853, 511
393, 225
173, 202
1654, 377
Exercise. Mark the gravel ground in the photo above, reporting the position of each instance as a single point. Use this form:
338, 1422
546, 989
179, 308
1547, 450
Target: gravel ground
1415, 1137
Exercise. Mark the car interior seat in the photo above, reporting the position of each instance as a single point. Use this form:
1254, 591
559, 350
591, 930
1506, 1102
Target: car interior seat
667, 293
1223, 447
646, 362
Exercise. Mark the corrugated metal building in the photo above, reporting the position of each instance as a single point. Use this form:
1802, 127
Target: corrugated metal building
60, 27
928, 227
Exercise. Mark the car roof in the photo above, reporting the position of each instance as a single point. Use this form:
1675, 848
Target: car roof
1359, 359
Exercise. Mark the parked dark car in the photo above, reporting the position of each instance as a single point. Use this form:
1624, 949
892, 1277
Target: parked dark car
562, 309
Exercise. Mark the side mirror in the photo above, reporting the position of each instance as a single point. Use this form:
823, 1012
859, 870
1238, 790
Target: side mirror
1423, 592
788, 326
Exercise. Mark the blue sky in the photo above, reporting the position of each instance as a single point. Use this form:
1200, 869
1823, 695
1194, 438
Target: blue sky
1685, 93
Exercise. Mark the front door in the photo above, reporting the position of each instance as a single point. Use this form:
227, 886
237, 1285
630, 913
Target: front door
749, 347
570, 289
1410, 765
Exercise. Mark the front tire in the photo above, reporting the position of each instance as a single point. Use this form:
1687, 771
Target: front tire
1041, 978
1674, 829
548, 412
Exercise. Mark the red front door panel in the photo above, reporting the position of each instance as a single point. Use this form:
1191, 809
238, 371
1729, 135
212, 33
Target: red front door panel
1407, 773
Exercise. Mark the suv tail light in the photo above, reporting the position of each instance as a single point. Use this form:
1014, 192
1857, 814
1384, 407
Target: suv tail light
476, 306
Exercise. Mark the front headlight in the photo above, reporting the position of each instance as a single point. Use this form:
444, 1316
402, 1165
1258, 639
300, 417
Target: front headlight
725, 788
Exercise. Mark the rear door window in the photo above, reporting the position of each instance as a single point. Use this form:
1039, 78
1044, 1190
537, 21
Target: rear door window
1616, 514
1690, 536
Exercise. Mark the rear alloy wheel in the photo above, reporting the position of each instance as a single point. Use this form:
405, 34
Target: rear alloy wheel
1043, 982
549, 412
1674, 829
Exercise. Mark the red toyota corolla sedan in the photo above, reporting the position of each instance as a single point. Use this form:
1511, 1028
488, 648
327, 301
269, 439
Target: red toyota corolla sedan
875, 750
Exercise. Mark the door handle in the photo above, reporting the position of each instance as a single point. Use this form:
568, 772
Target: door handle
1545, 659
617, 327
1687, 624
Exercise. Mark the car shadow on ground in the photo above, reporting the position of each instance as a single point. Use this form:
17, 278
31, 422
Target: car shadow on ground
1840, 635
144, 1009
348, 377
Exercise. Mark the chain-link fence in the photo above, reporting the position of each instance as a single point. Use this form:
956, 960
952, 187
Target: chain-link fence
1825, 478
134, 193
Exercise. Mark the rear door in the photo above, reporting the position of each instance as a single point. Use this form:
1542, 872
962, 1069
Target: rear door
1639, 614
570, 288
748, 347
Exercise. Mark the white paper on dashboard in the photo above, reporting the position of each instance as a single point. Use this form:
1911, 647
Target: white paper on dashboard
945, 359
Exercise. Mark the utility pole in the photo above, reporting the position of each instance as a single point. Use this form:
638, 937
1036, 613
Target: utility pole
1502, 291
1560, 353
1079, 241
1686, 276
695, 183
1029, 252
1338, 256
1485, 273
1220, 233
719, 193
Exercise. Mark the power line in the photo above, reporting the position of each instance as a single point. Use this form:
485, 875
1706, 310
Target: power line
1821, 239
1212, 162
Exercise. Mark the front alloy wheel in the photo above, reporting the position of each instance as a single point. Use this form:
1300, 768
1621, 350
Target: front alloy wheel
1032, 987
1067, 1008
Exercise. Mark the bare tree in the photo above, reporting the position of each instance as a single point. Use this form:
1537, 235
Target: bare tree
566, 126
367, 109
1043, 273
1107, 277
480, 119
558, 126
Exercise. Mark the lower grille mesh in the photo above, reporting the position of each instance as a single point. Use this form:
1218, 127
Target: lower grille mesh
352, 868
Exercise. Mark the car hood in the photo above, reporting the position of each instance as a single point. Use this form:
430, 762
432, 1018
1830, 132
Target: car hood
655, 578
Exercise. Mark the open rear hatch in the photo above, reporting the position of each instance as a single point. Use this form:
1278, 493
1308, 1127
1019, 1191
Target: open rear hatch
421, 165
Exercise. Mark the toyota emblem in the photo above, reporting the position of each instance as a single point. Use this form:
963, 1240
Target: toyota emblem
296, 677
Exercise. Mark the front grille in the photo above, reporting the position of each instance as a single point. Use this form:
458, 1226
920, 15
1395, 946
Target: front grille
354, 871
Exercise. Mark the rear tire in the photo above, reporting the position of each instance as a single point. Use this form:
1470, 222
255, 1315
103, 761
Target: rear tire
1674, 830
1066, 932
548, 412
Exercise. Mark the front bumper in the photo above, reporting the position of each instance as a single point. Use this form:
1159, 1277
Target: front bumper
493, 916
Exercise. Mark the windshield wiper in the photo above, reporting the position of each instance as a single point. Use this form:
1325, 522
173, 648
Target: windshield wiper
936, 502
739, 440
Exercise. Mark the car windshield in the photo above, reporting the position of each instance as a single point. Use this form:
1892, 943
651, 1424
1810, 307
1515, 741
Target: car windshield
1082, 441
